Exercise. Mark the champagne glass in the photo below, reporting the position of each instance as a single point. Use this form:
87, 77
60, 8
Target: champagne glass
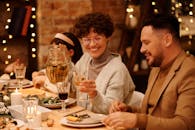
20, 71
30, 105
82, 98
63, 91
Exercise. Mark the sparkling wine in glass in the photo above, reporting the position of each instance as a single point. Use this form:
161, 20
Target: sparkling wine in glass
82, 98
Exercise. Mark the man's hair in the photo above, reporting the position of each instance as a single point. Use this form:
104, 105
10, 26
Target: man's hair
162, 21
101, 23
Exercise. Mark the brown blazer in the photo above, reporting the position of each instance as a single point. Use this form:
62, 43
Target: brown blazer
175, 106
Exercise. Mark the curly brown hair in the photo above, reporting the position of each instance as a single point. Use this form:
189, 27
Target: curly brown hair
101, 23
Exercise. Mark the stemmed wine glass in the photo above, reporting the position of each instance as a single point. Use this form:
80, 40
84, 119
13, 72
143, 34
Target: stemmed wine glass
20, 71
63, 91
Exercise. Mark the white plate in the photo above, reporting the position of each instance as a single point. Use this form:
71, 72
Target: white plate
70, 101
13, 83
96, 117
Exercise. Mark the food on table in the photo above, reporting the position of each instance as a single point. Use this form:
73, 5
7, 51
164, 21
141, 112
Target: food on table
33, 91
50, 100
73, 118
76, 117
7, 123
50, 122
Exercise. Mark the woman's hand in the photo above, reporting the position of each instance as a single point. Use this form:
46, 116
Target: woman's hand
38, 79
88, 86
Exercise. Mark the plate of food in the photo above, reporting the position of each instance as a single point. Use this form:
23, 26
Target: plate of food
10, 123
83, 121
13, 83
55, 102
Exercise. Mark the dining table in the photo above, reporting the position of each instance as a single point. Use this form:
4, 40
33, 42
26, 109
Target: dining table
56, 115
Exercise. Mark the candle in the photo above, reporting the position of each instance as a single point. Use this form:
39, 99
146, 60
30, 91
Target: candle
16, 98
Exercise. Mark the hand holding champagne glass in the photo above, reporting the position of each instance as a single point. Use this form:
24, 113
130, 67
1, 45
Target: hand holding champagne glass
82, 98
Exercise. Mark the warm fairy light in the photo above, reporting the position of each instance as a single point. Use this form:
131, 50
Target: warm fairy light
32, 26
190, 13
191, 5
8, 9
186, 29
33, 9
34, 16
33, 55
33, 34
176, 5
190, 36
5, 49
172, 8
156, 11
33, 49
180, 4
131, 16
189, 43
153, 3
6, 62
8, 20
180, 20
130, 10
32, 40
191, 20
10, 36
9, 56
7, 5
6, 26
4, 41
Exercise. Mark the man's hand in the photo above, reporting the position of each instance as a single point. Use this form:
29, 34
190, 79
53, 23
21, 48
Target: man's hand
122, 120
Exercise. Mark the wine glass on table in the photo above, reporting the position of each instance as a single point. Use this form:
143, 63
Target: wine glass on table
63, 91
20, 71
58, 65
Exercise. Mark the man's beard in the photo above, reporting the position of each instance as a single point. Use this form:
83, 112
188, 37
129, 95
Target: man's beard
157, 61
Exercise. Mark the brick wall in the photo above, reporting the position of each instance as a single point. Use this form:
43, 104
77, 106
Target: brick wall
55, 16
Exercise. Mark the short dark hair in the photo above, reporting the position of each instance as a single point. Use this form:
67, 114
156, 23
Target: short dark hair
77, 46
101, 23
163, 21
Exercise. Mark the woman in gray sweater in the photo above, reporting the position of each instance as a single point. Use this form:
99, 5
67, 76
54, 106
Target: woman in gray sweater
107, 77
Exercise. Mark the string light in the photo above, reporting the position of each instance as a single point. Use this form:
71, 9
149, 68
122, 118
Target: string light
31, 39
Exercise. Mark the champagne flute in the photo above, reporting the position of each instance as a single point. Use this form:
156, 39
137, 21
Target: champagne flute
82, 98
63, 91
20, 71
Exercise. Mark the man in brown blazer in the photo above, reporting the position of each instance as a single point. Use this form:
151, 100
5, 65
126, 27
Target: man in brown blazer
169, 102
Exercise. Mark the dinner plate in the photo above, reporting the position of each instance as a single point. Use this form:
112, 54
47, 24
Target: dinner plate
13, 83
93, 121
70, 101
